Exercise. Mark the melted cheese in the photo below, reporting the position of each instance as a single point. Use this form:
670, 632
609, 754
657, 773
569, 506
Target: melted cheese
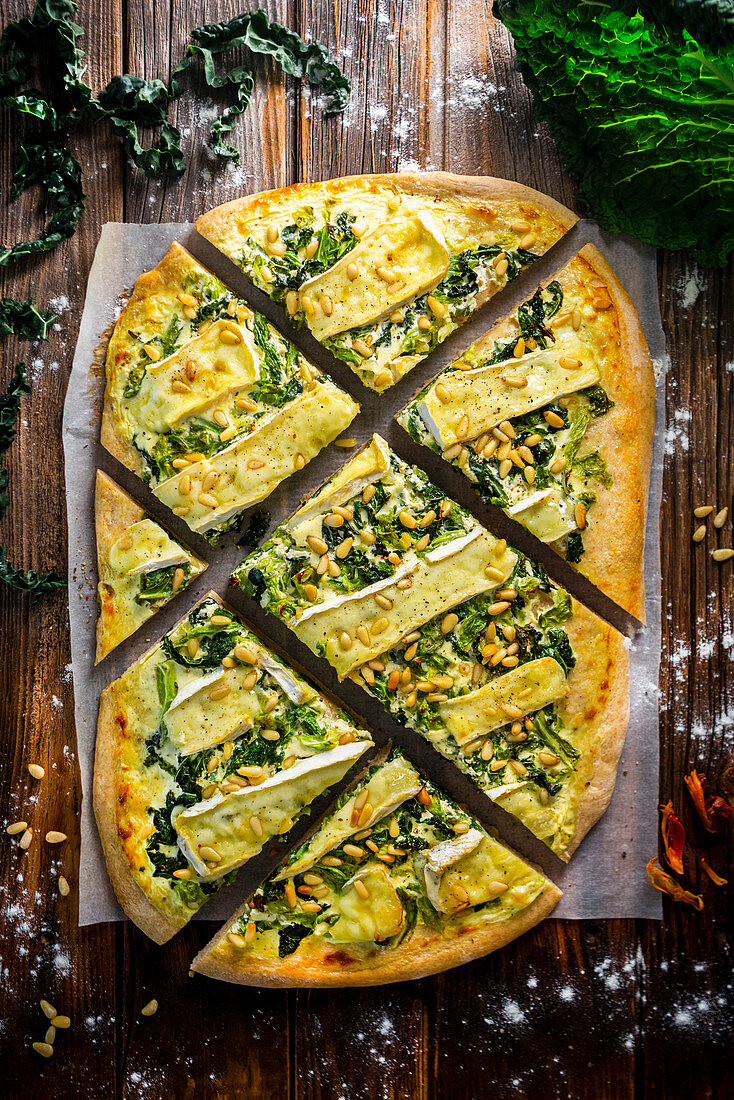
435, 588
224, 823
197, 722
366, 467
410, 247
220, 369
388, 787
254, 465
484, 398
470, 870
152, 548
525, 688
367, 920
546, 514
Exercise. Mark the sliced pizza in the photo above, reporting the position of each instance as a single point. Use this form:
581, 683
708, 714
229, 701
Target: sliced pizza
398, 882
459, 635
382, 268
140, 567
208, 747
206, 401
551, 415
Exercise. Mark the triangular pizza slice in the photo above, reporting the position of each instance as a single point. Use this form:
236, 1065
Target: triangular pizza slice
551, 415
461, 637
206, 401
382, 269
140, 566
208, 747
398, 882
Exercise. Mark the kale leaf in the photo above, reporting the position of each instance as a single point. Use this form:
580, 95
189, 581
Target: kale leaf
24, 319
640, 109
38, 584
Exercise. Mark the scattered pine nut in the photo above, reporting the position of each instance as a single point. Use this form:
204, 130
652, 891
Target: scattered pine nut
63, 886
62, 1022
16, 827
721, 517
47, 1009
346, 442
723, 554
53, 836
36, 771
703, 511
150, 1009
44, 1049
25, 840
700, 533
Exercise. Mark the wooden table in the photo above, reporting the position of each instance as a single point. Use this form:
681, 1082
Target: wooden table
611, 1009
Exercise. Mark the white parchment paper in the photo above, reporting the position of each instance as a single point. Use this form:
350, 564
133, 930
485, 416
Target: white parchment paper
607, 875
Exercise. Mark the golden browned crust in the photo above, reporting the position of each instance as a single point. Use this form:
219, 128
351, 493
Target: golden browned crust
424, 953
132, 899
598, 706
624, 436
477, 189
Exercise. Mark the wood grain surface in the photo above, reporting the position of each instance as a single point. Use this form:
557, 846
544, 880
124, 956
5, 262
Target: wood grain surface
613, 1009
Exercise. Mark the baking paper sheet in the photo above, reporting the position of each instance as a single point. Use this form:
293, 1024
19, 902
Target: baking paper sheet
607, 875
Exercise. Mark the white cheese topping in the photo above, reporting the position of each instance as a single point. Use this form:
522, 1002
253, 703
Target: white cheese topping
194, 686
291, 687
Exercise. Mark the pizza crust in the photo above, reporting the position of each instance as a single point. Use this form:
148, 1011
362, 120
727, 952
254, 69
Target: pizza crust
435, 185
422, 954
130, 896
599, 693
624, 436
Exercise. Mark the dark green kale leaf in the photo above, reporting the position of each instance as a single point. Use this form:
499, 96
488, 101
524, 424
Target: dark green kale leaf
38, 584
598, 399
53, 167
257, 525
215, 641
165, 679
290, 936
157, 584
556, 644
25, 319
10, 404
574, 547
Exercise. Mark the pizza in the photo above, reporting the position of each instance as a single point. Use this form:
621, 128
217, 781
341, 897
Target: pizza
211, 745
208, 747
461, 637
381, 269
551, 415
206, 401
140, 567
398, 882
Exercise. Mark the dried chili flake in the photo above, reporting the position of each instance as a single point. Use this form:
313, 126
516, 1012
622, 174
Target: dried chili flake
714, 811
716, 879
664, 882
674, 838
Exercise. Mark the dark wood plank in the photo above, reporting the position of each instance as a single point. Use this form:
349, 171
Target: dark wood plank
45, 953
686, 1000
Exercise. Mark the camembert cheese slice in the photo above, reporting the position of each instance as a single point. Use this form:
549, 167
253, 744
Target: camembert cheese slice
400, 259
253, 465
221, 360
151, 548
437, 585
511, 696
223, 832
473, 401
391, 784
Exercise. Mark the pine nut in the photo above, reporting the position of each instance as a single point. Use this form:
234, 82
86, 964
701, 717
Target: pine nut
721, 517
36, 771
150, 1009
53, 836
